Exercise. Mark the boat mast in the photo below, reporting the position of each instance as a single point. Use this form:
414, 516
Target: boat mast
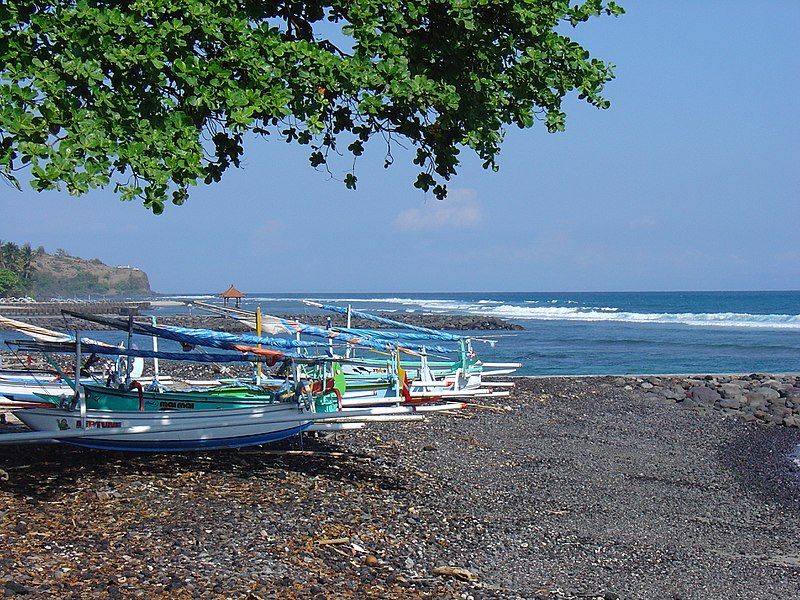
258, 333
80, 397
349, 325
155, 360
129, 361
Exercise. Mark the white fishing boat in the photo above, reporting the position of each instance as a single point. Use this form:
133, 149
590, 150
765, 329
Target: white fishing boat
180, 431
167, 431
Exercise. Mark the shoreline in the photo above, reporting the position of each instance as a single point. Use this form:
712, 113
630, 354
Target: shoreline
430, 320
570, 488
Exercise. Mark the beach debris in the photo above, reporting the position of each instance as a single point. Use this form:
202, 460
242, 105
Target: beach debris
334, 541
3, 475
358, 548
107, 494
457, 572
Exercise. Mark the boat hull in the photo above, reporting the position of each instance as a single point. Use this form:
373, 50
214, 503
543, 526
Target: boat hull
191, 430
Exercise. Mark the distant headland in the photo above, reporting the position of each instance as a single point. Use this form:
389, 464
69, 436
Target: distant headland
25, 271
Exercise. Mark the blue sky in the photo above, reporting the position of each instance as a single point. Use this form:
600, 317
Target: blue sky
690, 181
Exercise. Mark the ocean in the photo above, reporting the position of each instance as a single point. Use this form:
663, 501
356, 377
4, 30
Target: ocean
588, 333
585, 333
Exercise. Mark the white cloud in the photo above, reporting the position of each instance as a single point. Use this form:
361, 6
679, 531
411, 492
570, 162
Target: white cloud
460, 210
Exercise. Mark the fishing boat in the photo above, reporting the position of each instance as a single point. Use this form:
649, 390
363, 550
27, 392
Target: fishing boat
416, 378
173, 431
133, 419
22, 387
179, 431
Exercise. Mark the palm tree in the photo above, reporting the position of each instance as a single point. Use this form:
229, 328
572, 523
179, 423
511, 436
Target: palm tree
25, 262
9, 256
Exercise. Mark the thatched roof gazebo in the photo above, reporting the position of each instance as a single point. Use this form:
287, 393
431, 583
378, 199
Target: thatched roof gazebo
232, 294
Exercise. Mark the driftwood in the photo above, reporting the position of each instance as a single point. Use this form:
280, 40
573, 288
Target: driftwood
334, 541
457, 572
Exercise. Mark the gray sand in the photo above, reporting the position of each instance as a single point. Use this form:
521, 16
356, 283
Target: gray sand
580, 490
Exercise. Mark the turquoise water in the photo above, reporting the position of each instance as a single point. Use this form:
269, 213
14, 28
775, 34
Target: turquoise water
604, 333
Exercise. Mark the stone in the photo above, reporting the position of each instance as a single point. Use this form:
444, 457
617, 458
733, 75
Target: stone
767, 392
14, 588
776, 385
371, 561
704, 394
790, 421
679, 392
620, 381
755, 399
730, 390
733, 403
781, 411
646, 385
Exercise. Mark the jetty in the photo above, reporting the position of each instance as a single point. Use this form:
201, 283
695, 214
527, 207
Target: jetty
54, 308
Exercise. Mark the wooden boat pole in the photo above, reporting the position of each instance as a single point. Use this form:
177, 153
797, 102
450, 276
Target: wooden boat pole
155, 349
258, 333
129, 361
80, 397
329, 327
349, 325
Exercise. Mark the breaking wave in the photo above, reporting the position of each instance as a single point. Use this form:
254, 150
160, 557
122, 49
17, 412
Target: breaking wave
528, 310
607, 313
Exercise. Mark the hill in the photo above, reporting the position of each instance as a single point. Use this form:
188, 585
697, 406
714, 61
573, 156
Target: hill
24, 271
65, 275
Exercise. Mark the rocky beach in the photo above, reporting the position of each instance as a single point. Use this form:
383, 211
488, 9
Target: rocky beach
571, 488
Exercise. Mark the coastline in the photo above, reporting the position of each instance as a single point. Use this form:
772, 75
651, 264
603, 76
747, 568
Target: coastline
434, 321
570, 488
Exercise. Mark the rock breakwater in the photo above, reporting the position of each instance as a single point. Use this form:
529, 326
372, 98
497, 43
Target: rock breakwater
433, 321
772, 399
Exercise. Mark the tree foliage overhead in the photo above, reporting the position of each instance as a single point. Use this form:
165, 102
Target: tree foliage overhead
155, 96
